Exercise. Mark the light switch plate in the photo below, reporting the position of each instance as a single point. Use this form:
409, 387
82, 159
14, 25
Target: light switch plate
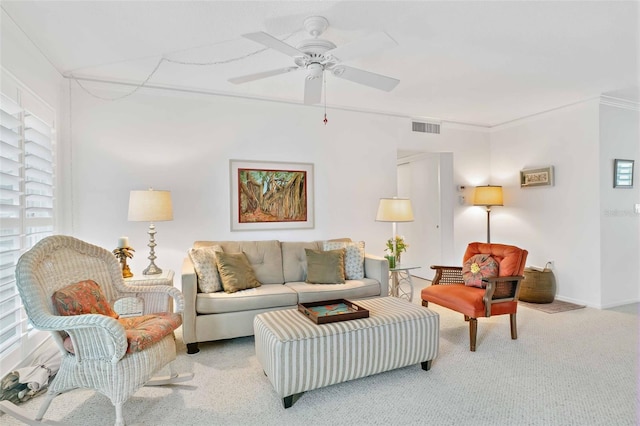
638, 208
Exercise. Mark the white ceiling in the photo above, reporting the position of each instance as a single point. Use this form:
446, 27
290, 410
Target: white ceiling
480, 62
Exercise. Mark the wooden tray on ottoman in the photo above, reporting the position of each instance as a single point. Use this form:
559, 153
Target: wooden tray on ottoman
332, 311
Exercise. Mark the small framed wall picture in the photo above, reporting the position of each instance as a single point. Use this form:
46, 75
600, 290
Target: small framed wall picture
536, 177
622, 173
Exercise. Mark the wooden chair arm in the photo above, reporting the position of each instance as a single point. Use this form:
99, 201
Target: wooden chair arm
500, 289
447, 275
500, 279
446, 267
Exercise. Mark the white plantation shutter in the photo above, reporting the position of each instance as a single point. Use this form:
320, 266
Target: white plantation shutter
27, 198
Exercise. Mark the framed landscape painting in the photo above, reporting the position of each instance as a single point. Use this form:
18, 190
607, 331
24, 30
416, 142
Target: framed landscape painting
270, 195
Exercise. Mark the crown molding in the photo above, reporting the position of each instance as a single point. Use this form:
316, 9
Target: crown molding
532, 117
445, 124
458, 125
619, 103
121, 85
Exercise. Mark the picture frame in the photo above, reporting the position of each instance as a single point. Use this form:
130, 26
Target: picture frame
623, 173
536, 177
267, 195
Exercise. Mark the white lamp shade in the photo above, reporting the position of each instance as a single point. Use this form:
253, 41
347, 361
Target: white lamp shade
150, 206
488, 196
394, 210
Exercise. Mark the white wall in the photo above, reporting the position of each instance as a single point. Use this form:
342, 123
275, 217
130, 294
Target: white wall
620, 224
562, 222
589, 230
183, 143
470, 148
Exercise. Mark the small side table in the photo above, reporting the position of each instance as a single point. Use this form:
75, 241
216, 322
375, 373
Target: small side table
401, 283
159, 302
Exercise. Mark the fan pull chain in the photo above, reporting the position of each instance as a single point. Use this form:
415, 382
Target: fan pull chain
324, 80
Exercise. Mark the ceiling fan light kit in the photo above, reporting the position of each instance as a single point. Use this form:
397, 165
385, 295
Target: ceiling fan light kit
317, 55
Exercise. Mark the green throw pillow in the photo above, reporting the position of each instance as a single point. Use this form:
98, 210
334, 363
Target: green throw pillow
325, 267
236, 272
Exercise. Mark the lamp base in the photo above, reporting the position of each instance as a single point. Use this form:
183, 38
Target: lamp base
152, 269
488, 224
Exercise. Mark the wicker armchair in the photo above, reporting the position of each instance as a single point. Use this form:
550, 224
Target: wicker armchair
498, 298
101, 359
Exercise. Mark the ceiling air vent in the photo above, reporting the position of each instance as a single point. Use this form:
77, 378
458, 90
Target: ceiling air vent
418, 126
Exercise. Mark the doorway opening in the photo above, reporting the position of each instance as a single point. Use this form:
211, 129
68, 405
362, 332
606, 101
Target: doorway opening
427, 179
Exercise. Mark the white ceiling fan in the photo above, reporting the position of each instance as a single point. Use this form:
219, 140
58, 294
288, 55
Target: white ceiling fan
317, 55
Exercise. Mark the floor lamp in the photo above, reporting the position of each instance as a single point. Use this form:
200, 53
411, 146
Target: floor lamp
488, 196
150, 206
394, 210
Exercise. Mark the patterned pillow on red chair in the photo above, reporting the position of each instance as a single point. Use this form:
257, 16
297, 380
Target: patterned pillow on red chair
478, 267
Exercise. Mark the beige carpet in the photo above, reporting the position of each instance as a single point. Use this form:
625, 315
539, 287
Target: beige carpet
579, 368
553, 307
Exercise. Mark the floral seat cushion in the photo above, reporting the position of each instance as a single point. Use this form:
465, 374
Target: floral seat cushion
146, 330
86, 297
143, 331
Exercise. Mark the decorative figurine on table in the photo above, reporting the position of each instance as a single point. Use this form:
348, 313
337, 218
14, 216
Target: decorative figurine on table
122, 253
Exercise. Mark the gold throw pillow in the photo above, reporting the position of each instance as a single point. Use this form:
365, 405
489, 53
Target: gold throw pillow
236, 272
325, 267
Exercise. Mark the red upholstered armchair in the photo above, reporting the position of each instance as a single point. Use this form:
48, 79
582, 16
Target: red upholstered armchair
498, 298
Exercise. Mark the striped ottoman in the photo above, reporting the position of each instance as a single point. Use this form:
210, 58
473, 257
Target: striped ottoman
297, 355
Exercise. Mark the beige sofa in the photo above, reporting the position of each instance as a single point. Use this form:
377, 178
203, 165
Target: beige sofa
281, 268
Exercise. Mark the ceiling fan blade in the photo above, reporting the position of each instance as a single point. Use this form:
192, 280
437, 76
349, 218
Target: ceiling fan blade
274, 43
377, 81
259, 75
365, 46
312, 91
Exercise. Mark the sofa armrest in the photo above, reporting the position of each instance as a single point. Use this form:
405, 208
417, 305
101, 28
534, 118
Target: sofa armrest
377, 267
189, 291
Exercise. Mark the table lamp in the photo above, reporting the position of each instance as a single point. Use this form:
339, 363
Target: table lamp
488, 196
394, 210
150, 206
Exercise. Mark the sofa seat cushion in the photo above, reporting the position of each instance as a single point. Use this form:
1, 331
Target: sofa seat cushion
263, 297
351, 289
464, 299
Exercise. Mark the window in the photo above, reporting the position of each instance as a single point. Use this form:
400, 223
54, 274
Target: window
27, 200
